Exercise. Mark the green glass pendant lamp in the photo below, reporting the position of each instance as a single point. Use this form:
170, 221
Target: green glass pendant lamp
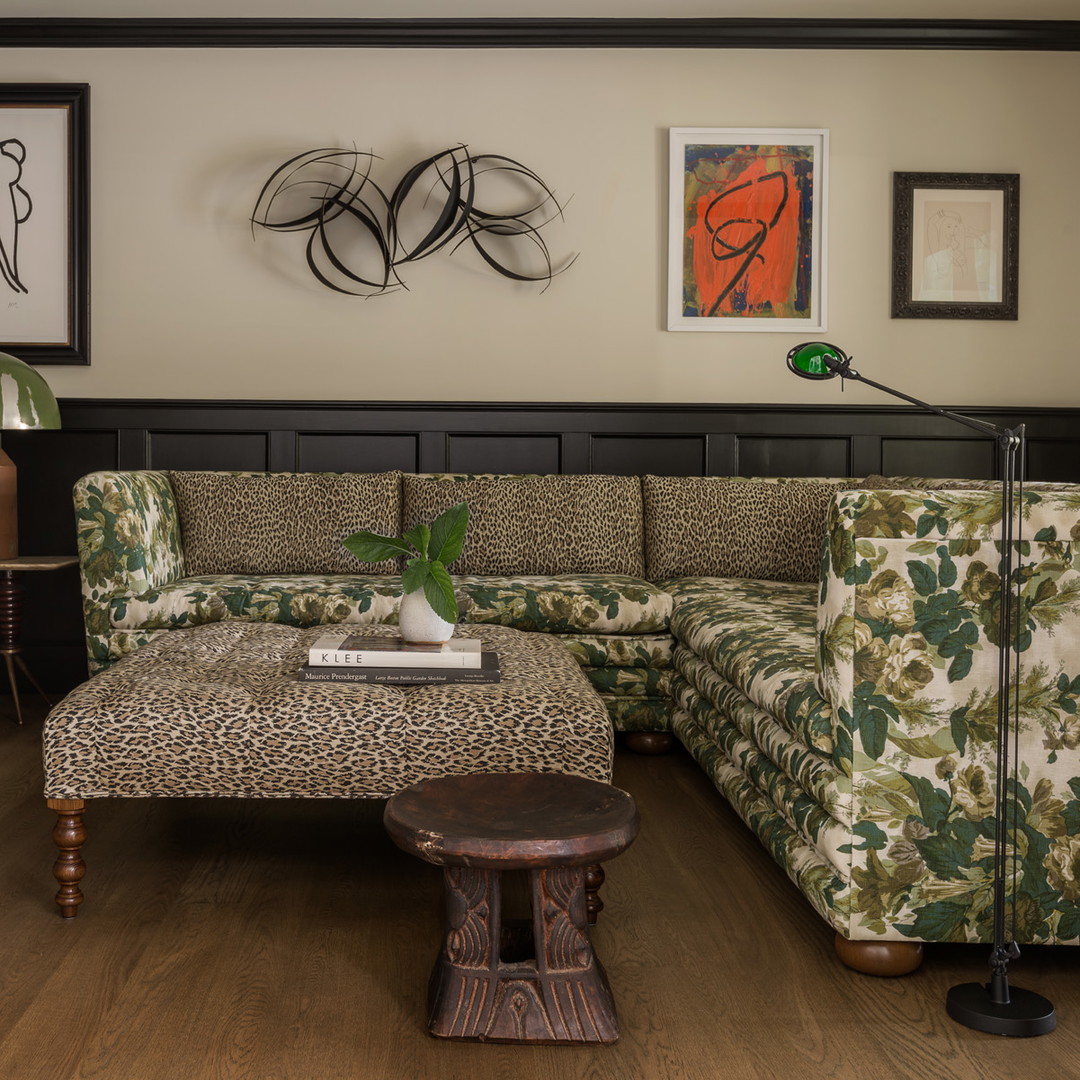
25, 402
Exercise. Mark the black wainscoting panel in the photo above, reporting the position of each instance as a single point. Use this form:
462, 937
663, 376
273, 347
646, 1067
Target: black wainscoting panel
661, 455
49, 463
350, 452
1051, 459
976, 459
766, 440
785, 456
500, 453
210, 450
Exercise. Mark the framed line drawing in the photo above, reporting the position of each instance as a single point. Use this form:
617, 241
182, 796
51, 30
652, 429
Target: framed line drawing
45, 222
747, 229
956, 243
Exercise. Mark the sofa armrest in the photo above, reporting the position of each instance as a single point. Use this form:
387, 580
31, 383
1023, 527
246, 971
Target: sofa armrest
907, 658
128, 538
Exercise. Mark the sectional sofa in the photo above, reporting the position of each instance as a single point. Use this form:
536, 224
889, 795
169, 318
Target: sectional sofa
825, 649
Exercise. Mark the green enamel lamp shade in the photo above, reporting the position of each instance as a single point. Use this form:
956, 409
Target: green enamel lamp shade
25, 398
808, 360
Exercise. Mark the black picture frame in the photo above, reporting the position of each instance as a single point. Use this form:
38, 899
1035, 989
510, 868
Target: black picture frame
956, 240
66, 326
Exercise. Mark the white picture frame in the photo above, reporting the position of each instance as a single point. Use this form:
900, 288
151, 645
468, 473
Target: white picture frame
747, 229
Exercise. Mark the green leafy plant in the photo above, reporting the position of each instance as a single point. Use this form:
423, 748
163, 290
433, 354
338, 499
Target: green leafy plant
427, 550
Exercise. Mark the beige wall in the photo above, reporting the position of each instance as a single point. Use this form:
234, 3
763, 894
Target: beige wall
187, 304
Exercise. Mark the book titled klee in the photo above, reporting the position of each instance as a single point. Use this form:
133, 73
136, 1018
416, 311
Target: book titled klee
371, 650
488, 672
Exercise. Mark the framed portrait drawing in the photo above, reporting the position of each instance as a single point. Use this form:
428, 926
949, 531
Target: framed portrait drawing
44, 222
747, 229
955, 245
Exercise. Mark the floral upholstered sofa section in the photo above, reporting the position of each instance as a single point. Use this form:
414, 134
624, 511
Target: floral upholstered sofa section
563, 555
851, 721
825, 649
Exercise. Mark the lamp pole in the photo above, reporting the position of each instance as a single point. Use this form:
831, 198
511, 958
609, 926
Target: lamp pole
995, 1007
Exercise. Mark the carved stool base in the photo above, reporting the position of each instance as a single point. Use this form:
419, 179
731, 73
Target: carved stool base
516, 981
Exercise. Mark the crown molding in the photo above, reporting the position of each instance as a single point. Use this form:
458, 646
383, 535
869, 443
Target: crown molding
965, 34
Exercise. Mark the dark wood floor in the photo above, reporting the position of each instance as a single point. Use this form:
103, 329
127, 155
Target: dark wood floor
291, 941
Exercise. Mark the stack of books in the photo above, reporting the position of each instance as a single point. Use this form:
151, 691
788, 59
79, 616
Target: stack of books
371, 658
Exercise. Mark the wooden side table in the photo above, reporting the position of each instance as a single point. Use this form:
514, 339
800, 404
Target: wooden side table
537, 981
11, 598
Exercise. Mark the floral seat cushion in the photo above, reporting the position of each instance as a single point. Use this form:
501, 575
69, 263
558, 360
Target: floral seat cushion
593, 604
567, 604
760, 637
295, 600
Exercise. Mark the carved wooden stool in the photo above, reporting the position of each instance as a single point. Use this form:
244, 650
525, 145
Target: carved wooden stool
539, 981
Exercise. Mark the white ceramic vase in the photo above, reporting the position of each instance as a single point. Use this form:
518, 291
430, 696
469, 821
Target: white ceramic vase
418, 623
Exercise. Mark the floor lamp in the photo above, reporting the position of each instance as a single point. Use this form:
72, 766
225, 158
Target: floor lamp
993, 1007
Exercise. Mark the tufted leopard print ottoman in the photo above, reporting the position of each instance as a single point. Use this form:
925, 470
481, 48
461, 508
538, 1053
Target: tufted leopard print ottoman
217, 711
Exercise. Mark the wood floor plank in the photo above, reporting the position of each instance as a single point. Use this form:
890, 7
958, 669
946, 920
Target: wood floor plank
282, 940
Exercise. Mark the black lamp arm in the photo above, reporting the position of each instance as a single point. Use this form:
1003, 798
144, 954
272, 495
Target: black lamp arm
843, 368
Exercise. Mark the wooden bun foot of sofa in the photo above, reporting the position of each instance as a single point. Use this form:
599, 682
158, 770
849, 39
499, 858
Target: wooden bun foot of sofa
880, 957
649, 742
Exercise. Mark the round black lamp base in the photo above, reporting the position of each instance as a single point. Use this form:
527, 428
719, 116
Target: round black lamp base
1026, 1013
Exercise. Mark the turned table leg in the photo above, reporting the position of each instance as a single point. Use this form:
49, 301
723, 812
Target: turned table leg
69, 835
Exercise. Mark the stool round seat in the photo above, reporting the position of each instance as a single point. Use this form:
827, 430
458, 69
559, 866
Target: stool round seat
508, 821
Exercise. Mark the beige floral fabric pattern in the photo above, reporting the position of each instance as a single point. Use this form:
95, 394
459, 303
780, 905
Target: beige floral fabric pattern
218, 711
128, 532
296, 600
816, 877
733, 528
572, 604
638, 713
537, 525
620, 650
759, 637
282, 523
908, 630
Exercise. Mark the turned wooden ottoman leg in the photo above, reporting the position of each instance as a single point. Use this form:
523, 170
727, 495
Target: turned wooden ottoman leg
649, 742
69, 834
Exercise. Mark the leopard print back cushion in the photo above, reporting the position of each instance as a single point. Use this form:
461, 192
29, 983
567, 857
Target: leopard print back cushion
699, 526
282, 523
525, 525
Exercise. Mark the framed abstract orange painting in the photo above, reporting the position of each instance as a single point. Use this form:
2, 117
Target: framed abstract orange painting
747, 229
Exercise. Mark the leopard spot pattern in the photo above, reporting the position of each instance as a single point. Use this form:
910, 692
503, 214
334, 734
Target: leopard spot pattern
537, 525
730, 528
218, 711
282, 523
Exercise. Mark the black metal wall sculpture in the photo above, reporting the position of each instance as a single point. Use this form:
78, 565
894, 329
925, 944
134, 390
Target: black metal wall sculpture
361, 237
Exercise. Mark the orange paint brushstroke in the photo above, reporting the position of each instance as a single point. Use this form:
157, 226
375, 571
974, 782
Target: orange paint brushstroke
745, 237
